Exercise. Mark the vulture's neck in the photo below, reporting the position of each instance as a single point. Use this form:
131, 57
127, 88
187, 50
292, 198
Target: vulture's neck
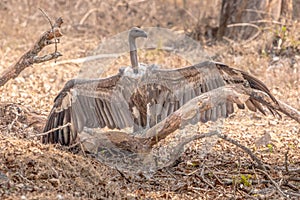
133, 54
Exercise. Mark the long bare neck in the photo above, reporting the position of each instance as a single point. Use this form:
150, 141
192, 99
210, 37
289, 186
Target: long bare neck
134, 61
133, 54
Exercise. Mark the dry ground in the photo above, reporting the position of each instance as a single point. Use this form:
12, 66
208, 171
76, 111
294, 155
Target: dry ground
30, 170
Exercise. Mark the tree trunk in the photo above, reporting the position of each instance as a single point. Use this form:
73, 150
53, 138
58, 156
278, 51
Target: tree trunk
287, 9
240, 20
240, 12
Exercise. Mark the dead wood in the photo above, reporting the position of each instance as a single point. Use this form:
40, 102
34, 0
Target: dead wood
182, 117
31, 57
145, 143
281, 106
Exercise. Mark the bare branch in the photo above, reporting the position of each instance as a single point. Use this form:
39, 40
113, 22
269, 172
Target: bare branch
31, 57
47, 57
48, 18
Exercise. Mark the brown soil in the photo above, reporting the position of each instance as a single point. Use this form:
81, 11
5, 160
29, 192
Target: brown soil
31, 170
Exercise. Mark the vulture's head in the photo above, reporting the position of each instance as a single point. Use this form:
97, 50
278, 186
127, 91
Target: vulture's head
136, 32
133, 34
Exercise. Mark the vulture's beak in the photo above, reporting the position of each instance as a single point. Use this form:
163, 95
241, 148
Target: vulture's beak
144, 34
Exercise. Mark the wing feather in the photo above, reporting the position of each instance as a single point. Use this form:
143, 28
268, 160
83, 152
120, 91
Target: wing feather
223, 109
214, 116
107, 112
60, 131
82, 103
99, 113
251, 106
162, 92
67, 118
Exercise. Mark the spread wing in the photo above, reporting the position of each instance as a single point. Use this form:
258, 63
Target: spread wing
165, 91
87, 103
142, 101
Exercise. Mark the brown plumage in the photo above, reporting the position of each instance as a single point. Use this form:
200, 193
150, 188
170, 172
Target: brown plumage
124, 100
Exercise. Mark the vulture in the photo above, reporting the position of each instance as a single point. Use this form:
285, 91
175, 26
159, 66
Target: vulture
140, 96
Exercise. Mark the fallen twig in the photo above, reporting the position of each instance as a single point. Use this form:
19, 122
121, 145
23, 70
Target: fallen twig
291, 186
52, 130
286, 161
275, 184
204, 180
248, 151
